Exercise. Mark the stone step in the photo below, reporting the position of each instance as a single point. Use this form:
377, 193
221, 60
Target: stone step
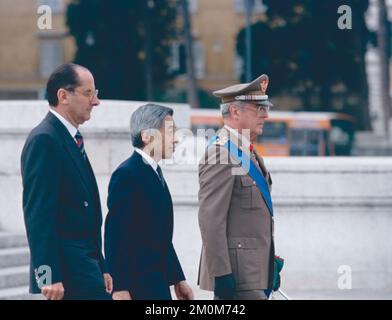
12, 239
14, 277
14, 257
19, 293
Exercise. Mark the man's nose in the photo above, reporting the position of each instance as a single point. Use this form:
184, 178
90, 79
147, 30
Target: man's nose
96, 102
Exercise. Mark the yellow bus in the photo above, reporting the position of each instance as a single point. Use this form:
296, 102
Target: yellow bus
289, 133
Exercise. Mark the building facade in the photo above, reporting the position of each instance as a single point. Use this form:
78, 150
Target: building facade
31, 45
215, 25
29, 52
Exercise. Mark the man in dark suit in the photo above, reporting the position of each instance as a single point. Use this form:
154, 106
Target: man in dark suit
139, 225
61, 202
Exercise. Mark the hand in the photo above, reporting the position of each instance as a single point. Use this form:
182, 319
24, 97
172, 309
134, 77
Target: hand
225, 287
54, 291
183, 291
108, 282
121, 295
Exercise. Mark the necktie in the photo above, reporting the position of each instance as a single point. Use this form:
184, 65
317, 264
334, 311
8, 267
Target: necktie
80, 143
159, 170
251, 147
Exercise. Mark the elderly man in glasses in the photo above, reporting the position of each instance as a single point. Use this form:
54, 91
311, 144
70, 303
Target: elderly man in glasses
235, 207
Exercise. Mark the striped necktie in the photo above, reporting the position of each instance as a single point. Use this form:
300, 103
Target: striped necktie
159, 170
80, 143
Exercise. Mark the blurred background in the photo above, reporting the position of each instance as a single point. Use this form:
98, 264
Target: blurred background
182, 50
329, 68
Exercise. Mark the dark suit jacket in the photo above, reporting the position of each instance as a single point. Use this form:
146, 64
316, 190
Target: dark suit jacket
138, 232
62, 211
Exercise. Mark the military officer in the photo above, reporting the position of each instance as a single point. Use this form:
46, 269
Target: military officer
235, 208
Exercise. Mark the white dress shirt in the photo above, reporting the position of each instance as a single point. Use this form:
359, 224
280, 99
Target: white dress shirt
149, 160
70, 127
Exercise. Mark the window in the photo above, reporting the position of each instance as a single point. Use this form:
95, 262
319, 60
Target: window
342, 136
177, 62
192, 6
274, 132
217, 46
238, 65
51, 56
198, 56
57, 6
174, 62
307, 142
239, 6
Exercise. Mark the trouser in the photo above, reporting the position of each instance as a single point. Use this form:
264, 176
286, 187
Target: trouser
82, 273
87, 295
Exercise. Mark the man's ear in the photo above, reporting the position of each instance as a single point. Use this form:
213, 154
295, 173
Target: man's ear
234, 111
62, 96
146, 137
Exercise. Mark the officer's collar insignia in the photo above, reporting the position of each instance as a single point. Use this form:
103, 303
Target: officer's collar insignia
221, 140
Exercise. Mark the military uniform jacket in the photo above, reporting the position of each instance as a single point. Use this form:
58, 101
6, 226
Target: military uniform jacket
235, 223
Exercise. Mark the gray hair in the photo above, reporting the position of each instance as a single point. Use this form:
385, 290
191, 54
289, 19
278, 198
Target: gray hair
225, 107
146, 117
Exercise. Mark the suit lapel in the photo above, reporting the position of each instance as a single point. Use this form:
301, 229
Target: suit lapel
74, 152
94, 183
151, 172
153, 176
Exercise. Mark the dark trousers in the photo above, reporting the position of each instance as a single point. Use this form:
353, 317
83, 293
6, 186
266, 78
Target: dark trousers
83, 276
91, 295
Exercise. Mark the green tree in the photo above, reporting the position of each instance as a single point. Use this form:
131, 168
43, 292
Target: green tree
301, 47
125, 43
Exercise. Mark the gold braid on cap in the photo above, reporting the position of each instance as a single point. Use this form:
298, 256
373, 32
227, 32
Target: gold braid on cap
251, 97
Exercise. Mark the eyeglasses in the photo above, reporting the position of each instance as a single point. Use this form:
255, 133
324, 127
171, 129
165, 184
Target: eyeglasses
90, 95
261, 109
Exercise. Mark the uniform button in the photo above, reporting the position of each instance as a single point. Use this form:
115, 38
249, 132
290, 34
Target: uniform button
86, 204
239, 245
254, 182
